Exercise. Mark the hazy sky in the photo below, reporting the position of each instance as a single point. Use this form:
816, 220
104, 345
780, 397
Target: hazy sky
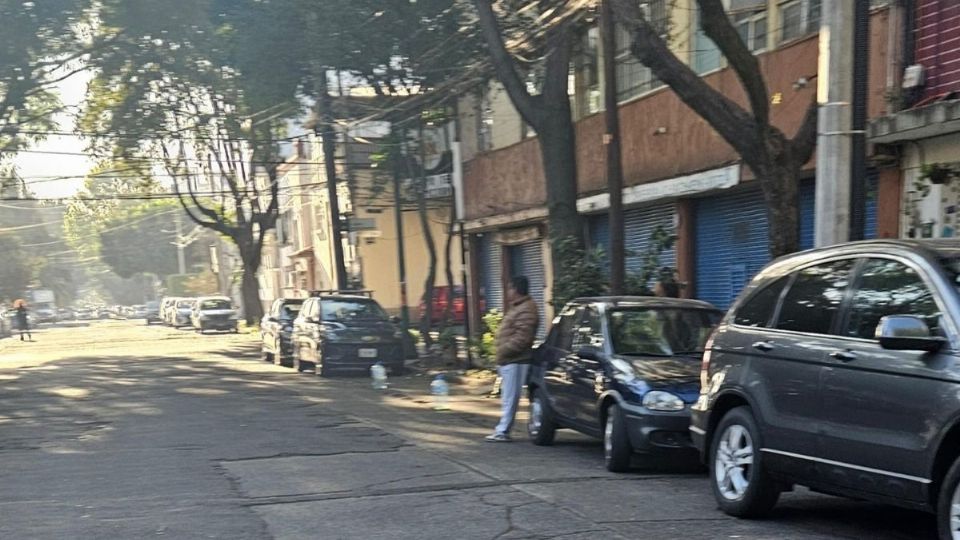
38, 168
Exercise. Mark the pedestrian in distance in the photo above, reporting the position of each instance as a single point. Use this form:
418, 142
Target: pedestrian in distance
514, 347
23, 322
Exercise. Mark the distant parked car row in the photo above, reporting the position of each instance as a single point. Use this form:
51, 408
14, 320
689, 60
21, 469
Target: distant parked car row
331, 331
206, 313
836, 369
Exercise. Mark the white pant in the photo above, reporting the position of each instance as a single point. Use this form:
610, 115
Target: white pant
513, 378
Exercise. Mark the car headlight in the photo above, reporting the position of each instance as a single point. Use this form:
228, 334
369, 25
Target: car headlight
658, 400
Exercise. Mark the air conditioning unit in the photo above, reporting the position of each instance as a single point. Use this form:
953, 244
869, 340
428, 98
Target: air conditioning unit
913, 76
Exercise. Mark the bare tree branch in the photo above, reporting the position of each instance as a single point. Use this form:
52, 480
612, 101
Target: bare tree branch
505, 65
718, 27
737, 127
804, 142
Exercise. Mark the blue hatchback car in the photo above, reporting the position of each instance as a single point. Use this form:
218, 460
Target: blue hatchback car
624, 369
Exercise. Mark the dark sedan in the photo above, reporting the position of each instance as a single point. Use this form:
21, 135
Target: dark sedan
624, 369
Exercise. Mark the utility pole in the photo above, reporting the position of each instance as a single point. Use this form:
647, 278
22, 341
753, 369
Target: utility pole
858, 154
181, 256
834, 145
611, 141
401, 262
328, 137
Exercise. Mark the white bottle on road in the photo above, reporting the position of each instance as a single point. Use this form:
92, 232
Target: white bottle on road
379, 375
441, 393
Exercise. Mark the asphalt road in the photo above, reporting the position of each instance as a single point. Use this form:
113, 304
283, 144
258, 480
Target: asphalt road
117, 430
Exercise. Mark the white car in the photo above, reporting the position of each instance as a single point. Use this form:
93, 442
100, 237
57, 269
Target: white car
214, 313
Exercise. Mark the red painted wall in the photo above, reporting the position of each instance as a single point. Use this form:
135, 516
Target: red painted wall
938, 45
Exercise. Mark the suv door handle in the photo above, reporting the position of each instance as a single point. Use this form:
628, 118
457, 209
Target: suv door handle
843, 356
764, 346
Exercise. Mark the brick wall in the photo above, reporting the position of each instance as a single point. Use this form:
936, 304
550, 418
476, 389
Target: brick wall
938, 45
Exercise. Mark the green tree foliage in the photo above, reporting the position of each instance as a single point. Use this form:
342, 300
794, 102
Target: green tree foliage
140, 240
37, 43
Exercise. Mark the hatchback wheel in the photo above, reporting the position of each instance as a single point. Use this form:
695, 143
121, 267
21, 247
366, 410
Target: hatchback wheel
617, 450
740, 484
542, 427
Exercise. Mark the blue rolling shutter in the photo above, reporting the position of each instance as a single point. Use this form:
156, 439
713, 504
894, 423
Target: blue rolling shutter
808, 213
527, 260
732, 244
807, 206
870, 211
599, 226
638, 225
490, 258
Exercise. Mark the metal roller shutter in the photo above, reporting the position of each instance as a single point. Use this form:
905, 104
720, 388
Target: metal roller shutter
490, 253
732, 244
870, 212
527, 260
638, 225
599, 226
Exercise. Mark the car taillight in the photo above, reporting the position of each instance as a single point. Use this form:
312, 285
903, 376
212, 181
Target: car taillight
705, 365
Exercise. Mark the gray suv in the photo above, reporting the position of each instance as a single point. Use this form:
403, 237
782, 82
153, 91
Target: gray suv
837, 369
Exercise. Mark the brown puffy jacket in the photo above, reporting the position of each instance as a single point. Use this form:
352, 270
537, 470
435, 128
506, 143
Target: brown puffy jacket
517, 332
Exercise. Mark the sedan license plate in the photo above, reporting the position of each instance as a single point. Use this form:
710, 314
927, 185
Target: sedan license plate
368, 353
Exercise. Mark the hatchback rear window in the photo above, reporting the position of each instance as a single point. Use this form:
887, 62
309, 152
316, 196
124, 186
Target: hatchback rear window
215, 304
660, 332
342, 310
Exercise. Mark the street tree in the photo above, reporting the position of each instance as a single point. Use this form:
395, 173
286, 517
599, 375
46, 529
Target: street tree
775, 158
539, 92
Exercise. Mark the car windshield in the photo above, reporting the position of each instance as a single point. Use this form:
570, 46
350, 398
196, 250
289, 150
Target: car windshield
153, 305
660, 331
185, 304
290, 311
215, 304
341, 310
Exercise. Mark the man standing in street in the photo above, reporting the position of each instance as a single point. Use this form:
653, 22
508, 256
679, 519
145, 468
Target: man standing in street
514, 352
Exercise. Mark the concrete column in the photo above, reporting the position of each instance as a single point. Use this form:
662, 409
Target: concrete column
835, 94
889, 197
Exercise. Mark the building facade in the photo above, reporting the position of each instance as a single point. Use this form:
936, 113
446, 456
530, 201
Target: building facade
679, 175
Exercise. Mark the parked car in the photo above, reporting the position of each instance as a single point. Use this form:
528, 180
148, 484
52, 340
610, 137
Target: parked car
276, 331
151, 312
44, 314
346, 332
624, 369
458, 311
214, 313
181, 312
839, 369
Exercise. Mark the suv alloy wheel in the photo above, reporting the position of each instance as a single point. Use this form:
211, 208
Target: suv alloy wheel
741, 486
948, 504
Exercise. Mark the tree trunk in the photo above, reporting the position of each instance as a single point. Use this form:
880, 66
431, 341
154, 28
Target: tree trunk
780, 183
558, 150
447, 262
250, 292
426, 322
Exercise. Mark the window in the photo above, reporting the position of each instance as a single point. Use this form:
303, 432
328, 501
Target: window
799, 17
634, 78
660, 332
759, 308
215, 304
752, 27
563, 331
814, 298
344, 310
590, 330
706, 54
886, 288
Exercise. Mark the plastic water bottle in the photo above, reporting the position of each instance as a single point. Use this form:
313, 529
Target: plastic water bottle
379, 375
441, 393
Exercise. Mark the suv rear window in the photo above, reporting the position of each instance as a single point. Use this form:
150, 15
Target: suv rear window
814, 297
215, 304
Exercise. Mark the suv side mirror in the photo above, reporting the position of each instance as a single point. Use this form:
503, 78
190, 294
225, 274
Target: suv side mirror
906, 333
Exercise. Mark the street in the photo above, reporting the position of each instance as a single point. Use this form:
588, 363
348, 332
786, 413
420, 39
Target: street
119, 430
